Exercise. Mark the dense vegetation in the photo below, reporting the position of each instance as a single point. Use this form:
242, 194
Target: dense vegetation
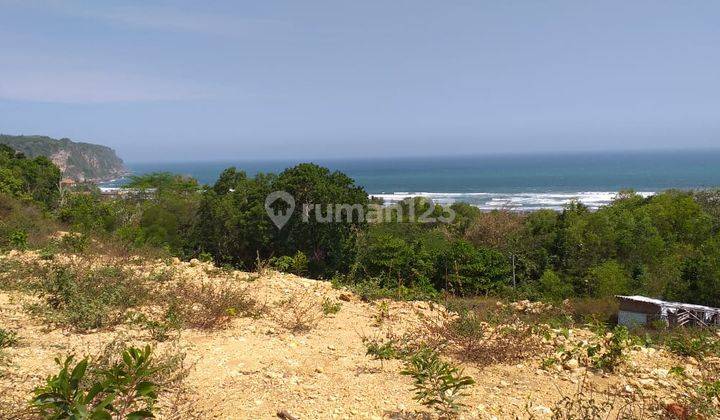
79, 161
666, 246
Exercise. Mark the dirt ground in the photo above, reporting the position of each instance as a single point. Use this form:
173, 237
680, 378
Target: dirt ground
255, 367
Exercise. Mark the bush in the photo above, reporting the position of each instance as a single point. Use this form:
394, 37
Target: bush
125, 390
301, 311
88, 298
297, 264
693, 343
208, 305
19, 239
74, 242
469, 271
471, 337
611, 352
607, 279
437, 383
553, 288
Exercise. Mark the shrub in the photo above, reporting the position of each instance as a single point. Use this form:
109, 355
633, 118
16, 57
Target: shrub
297, 264
590, 404
553, 288
18, 239
610, 353
607, 279
208, 305
471, 337
694, 343
437, 383
125, 390
88, 298
383, 349
606, 354
74, 242
301, 311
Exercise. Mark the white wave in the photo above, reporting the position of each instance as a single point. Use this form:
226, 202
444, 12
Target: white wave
514, 201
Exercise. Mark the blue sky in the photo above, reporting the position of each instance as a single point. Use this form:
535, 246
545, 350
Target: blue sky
182, 80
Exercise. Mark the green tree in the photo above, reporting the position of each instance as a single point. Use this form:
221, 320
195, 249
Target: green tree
607, 279
232, 224
466, 270
553, 288
29, 179
330, 246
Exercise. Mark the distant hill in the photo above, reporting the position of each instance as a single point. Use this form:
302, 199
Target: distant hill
78, 161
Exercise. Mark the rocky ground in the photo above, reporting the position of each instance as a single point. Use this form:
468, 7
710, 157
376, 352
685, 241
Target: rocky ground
255, 367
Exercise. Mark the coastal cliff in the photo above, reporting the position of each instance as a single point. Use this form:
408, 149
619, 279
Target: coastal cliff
77, 161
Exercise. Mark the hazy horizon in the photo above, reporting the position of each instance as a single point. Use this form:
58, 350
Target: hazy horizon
182, 81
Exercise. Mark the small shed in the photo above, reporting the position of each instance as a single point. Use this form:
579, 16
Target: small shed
640, 310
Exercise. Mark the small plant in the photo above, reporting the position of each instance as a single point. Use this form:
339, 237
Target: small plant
125, 390
330, 306
300, 312
383, 312
19, 239
678, 371
47, 253
473, 339
588, 404
75, 242
693, 343
296, 264
7, 338
209, 305
88, 298
380, 349
610, 353
437, 383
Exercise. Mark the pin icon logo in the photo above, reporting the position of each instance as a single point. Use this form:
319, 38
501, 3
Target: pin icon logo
281, 216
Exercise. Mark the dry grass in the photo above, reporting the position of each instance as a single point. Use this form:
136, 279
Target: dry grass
209, 305
301, 311
470, 338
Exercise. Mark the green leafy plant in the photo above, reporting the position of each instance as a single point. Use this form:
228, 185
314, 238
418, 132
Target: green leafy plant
383, 349
693, 343
7, 338
330, 306
75, 242
383, 312
19, 239
678, 371
437, 383
87, 298
608, 354
125, 390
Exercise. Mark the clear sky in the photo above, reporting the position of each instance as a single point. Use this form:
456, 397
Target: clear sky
200, 80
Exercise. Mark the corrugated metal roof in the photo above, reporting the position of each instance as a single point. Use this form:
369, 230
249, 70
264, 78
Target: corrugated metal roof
672, 306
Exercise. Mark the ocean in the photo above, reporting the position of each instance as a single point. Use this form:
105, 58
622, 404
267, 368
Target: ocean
519, 182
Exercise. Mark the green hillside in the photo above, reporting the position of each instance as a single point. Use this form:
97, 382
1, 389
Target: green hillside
79, 161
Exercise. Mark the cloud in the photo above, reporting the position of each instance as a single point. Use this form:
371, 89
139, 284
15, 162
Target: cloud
92, 87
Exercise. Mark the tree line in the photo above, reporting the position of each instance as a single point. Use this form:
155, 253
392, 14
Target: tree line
665, 246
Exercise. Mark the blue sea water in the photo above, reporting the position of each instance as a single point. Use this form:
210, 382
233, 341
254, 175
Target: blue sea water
522, 182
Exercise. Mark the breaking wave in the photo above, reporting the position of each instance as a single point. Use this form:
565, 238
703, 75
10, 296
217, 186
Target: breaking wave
512, 201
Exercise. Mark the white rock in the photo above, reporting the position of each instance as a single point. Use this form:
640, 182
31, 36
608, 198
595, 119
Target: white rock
541, 409
571, 364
